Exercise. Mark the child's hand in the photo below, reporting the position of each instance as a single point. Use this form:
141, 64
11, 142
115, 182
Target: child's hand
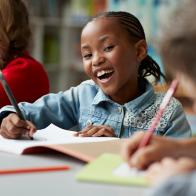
168, 167
96, 131
14, 128
158, 148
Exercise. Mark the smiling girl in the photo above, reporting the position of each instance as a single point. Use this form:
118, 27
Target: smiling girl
118, 100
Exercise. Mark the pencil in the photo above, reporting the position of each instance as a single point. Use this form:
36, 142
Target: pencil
11, 96
12, 100
33, 169
146, 139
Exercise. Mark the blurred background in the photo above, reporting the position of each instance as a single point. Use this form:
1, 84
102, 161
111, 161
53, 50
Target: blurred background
57, 24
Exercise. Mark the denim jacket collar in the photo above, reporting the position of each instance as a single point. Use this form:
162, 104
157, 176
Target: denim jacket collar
143, 101
134, 105
101, 97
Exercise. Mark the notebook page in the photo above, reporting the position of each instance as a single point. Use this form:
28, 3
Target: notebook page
50, 135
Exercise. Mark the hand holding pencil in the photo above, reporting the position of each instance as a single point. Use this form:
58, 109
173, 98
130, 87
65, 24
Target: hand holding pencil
15, 126
158, 148
12, 127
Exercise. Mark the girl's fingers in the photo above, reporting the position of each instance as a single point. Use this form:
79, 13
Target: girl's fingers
96, 131
13, 134
83, 130
12, 122
76, 134
110, 132
6, 135
15, 120
31, 128
104, 132
14, 128
107, 128
9, 130
90, 132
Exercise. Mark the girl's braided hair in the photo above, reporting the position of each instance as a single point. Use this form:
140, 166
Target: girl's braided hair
134, 28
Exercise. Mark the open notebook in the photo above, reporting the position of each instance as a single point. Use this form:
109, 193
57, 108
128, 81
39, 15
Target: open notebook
55, 138
110, 168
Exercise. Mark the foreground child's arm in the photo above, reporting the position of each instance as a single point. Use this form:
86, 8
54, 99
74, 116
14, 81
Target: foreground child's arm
158, 148
177, 178
96, 131
169, 167
13, 127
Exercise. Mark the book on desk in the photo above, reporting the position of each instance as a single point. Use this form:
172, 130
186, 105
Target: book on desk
57, 139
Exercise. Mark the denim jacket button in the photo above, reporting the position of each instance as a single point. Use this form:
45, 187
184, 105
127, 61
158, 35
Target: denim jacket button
89, 122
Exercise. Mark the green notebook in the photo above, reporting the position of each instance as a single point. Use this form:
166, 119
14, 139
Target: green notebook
102, 170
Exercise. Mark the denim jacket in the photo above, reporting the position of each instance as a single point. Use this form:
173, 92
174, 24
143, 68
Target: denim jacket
87, 104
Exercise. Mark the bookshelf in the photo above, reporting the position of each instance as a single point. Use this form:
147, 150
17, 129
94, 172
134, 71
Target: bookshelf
56, 26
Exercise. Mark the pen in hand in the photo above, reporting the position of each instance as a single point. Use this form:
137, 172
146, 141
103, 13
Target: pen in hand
13, 101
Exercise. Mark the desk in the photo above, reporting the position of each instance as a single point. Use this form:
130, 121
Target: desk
54, 183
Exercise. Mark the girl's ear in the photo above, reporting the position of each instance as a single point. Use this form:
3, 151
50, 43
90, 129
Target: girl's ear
141, 50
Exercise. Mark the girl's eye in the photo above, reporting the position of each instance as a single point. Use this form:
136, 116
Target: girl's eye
87, 56
108, 49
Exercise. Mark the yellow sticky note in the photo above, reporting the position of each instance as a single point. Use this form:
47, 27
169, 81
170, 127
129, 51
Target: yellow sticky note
105, 169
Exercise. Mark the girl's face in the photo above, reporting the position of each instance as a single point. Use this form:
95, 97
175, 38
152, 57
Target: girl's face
111, 59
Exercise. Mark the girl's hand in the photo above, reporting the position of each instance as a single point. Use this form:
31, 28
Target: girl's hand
96, 131
158, 148
12, 127
168, 167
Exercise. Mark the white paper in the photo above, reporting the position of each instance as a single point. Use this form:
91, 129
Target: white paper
50, 135
125, 171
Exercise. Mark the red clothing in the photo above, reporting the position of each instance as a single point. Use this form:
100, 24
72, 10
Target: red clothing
27, 79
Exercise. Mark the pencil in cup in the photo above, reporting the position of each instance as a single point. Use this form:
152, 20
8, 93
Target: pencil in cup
146, 139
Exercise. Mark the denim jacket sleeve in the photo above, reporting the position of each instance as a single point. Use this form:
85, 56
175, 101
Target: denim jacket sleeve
60, 109
178, 126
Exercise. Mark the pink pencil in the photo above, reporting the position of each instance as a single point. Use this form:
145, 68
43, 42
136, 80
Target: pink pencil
159, 114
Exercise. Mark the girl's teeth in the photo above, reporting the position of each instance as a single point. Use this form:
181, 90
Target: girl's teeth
100, 73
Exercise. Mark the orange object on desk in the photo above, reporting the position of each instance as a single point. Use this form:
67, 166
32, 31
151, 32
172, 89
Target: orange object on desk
33, 169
